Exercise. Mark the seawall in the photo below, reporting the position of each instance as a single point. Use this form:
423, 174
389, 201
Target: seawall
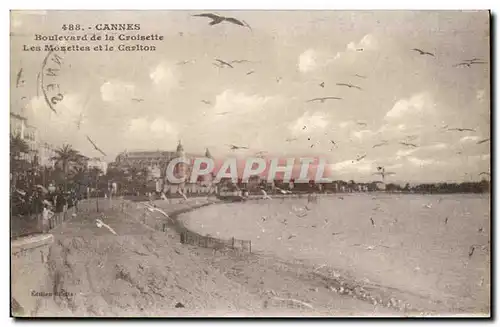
29, 273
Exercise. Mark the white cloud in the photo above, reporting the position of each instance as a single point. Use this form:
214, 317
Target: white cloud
421, 162
345, 124
407, 152
307, 61
161, 127
316, 122
311, 59
61, 127
394, 166
231, 101
157, 128
404, 153
363, 134
138, 125
481, 157
348, 166
417, 105
367, 43
115, 91
437, 146
469, 138
68, 111
164, 76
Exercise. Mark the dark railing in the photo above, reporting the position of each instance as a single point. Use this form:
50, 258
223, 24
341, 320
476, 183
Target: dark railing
188, 237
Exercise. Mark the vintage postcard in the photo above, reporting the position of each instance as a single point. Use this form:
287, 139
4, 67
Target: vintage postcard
250, 163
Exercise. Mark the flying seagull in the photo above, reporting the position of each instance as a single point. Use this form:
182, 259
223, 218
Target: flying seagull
184, 62
155, 209
483, 141
360, 76
235, 147
361, 123
471, 250
251, 72
408, 144
240, 61
322, 84
462, 129
222, 113
468, 64
477, 62
472, 60
380, 144
423, 53
206, 102
324, 99
349, 85
381, 171
361, 157
219, 19
100, 224
411, 137
373, 222
19, 76
291, 139
137, 99
95, 146
223, 63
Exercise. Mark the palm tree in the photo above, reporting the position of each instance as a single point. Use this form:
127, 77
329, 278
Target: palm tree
67, 158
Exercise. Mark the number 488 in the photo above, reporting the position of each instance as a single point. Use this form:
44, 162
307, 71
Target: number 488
71, 27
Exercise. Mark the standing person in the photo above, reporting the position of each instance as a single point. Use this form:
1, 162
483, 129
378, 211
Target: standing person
75, 200
45, 219
59, 206
65, 204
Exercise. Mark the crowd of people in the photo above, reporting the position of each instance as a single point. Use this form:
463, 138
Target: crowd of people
42, 203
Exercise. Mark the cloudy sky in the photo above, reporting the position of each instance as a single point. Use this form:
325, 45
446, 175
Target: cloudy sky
404, 96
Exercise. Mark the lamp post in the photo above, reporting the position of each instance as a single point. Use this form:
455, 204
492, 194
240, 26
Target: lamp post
97, 192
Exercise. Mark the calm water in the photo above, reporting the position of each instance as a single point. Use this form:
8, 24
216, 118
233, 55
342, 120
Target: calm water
419, 244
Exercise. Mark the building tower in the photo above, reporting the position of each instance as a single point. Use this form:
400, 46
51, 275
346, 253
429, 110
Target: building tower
208, 154
181, 169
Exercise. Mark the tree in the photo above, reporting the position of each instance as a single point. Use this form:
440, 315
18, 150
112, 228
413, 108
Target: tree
67, 158
18, 146
18, 164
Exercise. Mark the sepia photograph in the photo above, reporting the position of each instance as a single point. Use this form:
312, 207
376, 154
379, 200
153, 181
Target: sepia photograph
250, 163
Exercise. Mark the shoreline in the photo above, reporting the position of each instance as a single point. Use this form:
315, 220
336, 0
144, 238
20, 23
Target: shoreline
182, 222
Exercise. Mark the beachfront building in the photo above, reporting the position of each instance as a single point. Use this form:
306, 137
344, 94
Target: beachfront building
156, 163
98, 163
45, 154
28, 133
